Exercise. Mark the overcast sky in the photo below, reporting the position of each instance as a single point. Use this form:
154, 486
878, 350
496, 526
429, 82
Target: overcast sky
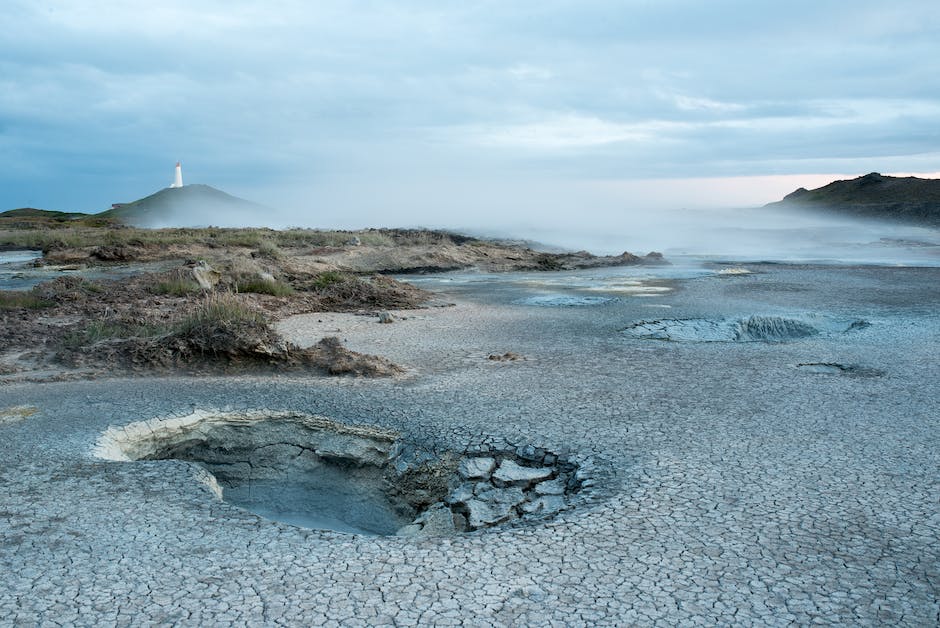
400, 113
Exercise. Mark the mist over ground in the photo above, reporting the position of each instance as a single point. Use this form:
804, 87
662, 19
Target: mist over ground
596, 216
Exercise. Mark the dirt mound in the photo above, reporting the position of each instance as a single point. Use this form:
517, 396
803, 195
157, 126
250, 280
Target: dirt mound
330, 355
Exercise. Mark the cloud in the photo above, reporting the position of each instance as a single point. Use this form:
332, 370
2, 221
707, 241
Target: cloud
565, 131
98, 100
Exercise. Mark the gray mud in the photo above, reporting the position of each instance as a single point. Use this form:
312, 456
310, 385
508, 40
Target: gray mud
733, 487
313, 472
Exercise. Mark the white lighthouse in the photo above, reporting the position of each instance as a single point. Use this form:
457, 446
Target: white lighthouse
178, 178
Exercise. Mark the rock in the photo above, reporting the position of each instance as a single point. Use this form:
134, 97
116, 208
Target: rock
385, 317
545, 505
476, 468
530, 453
460, 522
412, 529
628, 256
509, 473
584, 471
509, 356
113, 253
437, 520
268, 277
206, 276
483, 514
551, 487
493, 506
407, 458
460, 495
504, 496
353, 241
482, 487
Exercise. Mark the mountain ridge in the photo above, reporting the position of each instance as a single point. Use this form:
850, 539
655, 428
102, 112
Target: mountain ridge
905, 199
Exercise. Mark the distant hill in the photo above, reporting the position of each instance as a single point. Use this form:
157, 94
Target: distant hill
190, 205
906, 199
32, 212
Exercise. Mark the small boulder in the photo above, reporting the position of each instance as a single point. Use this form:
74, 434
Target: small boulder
206, 276
509, 497
437, 520
509, 356
494, 507
551, 487
385, 317
476, 468
412, 529
545, 505
460, 495
116, 253
510, 474
482, 487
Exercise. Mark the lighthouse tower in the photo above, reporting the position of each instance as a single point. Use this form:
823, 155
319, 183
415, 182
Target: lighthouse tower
178, 179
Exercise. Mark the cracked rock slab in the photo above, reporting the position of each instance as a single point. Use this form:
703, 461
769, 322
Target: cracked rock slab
545, 505
476, 468
494, 506
510, 473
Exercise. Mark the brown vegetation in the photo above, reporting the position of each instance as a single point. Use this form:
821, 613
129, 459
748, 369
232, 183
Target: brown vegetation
167, 320
223, 332
206, 296
368, 251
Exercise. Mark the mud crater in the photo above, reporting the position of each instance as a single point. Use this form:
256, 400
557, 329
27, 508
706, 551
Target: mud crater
756, 328
313, 472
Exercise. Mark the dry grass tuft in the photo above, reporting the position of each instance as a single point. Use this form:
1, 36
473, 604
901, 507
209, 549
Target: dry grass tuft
18, 300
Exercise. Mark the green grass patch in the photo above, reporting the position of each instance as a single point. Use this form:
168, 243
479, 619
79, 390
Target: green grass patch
264, 286
178, 287
269, 249
223, 310
86, 234
97, 331
330, 278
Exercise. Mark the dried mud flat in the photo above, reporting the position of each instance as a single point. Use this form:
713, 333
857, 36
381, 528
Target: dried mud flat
733, 484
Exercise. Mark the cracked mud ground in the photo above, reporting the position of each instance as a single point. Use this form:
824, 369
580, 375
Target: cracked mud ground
739, 488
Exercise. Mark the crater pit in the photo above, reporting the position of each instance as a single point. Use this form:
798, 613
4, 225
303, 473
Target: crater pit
313, 472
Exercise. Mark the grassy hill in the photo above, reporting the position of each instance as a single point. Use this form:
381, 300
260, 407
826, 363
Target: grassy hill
190, 205
32, 218
173, 206
905, 199
46, 214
